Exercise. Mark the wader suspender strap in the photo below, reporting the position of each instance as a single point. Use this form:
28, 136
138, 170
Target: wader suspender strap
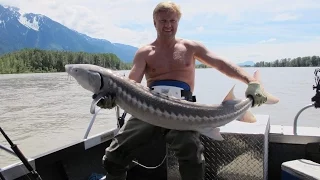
121, 119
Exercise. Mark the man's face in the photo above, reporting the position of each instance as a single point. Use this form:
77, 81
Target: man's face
166, 23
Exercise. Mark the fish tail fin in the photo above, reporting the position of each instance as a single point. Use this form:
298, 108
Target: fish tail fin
248, 116
271, 99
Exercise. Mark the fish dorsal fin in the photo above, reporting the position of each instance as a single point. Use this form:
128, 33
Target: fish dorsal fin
230, 95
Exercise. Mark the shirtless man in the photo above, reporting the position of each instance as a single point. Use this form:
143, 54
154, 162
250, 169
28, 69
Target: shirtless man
169, 59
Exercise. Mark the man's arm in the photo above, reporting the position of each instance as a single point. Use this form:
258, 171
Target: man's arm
230, 69
139, 66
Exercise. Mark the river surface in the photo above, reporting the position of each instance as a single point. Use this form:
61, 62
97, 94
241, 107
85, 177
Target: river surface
41, 112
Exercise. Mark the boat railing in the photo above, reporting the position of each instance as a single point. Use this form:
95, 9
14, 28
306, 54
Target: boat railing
97, 109
315, 99
91, 123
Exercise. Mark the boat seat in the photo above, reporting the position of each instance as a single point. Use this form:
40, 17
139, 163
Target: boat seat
300, 169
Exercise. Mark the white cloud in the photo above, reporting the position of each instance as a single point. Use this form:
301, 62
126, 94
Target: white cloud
97, 19
254, 55
108, 19
199, 28
285, 17
268, 40
270, 51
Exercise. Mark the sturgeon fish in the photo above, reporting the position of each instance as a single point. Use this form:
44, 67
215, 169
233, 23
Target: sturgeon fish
157, 108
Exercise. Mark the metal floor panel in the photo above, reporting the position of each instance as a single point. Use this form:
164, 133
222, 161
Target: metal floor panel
241, 155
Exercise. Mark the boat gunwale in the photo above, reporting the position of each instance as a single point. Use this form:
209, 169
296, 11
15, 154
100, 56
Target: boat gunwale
277, 134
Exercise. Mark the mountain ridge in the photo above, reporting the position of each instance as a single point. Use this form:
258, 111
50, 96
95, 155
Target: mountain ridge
30, 30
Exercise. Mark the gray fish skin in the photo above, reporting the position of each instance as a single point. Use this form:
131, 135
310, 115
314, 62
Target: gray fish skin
158, 109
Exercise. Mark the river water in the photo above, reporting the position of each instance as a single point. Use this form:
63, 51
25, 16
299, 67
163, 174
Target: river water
41, 112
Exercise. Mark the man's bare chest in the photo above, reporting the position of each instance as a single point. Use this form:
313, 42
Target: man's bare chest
170, 59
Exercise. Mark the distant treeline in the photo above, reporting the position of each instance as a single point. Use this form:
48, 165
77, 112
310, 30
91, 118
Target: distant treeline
201, 66
36, 60
307, 61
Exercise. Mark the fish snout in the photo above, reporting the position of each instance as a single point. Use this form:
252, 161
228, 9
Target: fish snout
71, 69
68, 68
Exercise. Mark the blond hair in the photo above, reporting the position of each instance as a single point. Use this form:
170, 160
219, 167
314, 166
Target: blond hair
167, 6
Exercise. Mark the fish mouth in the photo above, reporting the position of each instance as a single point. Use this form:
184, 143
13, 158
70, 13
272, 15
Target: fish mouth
67, 69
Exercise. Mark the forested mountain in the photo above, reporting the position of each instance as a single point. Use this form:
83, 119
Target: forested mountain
36, 60
27, 30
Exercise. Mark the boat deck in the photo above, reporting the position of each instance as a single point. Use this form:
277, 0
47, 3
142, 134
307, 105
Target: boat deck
247, 156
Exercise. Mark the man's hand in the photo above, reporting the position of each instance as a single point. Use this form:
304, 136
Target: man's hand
107, 102
255, 92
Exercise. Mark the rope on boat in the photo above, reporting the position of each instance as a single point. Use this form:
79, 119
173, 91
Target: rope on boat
120, 123
151, 167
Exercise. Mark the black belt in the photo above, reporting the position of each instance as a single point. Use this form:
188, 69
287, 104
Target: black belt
188, 95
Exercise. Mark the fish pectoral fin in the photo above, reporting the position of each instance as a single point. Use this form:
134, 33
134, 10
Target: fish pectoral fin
213, 133
247, 117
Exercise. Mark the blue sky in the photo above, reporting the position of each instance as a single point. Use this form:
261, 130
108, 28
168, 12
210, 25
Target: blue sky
263, 30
